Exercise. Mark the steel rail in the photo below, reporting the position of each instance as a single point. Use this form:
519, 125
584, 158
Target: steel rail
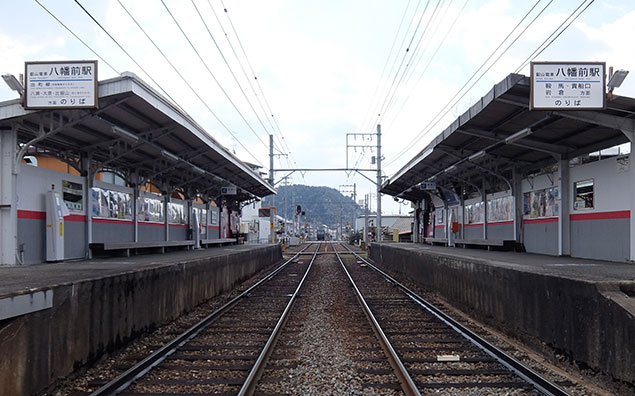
537, 381
407, 384
249, 386
124, 380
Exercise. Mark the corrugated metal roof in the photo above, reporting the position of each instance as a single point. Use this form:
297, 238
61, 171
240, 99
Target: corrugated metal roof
157, 126
481, 133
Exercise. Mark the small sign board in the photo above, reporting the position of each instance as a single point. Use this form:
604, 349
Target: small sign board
428, 186
60, 85
228, 190
568, 86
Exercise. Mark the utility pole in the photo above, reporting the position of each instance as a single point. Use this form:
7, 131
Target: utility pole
271, 214
379, 233
366, 220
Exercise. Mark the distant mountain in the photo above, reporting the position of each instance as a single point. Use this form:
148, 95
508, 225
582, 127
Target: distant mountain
322, 205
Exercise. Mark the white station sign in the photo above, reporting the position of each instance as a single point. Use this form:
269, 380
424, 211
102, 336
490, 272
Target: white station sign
60, 85
568, 86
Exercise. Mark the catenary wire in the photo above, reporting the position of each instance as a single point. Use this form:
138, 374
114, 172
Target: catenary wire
77, 37
447, 107
183, 78
213, 76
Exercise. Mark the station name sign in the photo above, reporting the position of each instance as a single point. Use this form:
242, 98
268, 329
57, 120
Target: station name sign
568, 86
228, 190
60, 85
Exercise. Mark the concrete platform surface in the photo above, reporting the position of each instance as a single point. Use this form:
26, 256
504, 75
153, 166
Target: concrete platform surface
56, 318
581, 309
29, 278
568, 267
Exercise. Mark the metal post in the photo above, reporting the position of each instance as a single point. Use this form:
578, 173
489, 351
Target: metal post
484, 199
9, 169
564, 228
366, 220
271, 215
379, 233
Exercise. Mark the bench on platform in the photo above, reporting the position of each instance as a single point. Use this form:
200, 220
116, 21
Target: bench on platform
126, 247
436, 241
490, 244
220, 242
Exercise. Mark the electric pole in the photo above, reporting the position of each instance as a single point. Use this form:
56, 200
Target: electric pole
379, 232
271, 213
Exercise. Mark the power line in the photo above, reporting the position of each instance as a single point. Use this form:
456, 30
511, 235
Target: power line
228, 66
212, 75
129, 56
184, 80
444, 110
264, 97
425, 69
76, 36
534, 54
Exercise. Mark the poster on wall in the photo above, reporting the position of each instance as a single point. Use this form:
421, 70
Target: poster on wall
73, 195
541, 203
500, 209
150, 209
109, 204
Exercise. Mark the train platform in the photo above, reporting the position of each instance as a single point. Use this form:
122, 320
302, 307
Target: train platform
581, 309
57, 317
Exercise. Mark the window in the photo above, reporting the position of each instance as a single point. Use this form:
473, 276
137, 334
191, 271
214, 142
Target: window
583, 195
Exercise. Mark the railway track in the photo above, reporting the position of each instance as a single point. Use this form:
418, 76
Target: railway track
327, 321
439, 354
224, 352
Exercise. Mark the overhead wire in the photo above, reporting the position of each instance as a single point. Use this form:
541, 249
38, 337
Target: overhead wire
413, 60
285, 149
445, 109
183, 78
229, 67
220, 86
432, 57
77, 37
128, 54
539, 51
144, 71
264, 97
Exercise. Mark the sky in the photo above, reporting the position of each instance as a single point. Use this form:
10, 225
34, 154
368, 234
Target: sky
310, 72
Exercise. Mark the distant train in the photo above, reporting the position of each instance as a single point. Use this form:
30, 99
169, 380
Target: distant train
320, 235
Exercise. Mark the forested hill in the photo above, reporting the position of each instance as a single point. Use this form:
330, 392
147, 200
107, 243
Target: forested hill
322, 205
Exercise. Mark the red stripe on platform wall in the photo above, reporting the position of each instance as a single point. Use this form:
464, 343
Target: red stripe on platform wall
214, 227
620, 214
439, 226
501, 223
148, 223
178, 225
474, 225
31, 215
112, 221
537, 221
74, 217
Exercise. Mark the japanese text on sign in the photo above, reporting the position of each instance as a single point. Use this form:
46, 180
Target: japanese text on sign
567, 86
71, 84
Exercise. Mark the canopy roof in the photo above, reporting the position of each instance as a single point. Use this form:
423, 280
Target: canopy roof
500, 133
136, 132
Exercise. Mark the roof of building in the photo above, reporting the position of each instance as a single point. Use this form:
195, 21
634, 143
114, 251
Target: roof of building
159, 142
499, 134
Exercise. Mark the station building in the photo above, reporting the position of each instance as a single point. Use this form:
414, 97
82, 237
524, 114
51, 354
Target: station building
136, 172
551, 182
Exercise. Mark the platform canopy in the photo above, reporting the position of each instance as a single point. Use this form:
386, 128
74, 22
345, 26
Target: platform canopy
499, 134
139, 135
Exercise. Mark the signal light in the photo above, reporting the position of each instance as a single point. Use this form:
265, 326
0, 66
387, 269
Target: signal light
299, 209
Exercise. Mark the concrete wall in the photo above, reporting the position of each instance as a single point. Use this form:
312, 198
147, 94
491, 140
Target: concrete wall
602, 232
92, 317
541, 235
590, 323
